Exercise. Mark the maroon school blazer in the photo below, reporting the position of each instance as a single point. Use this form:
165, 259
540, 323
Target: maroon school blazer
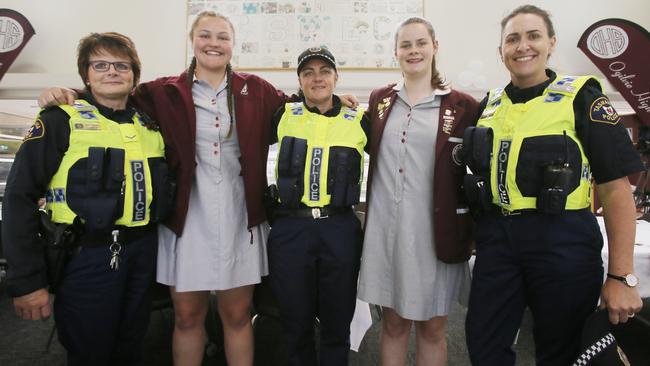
168, 100
453, 224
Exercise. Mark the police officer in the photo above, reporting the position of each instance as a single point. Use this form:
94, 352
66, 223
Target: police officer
315, 241
100, 165
538, 245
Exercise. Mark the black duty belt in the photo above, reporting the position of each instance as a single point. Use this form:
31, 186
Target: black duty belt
504, 212
126, 235
313, 212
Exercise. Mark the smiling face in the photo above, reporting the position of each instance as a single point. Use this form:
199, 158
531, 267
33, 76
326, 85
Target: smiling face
415, 49
111, 85
212, 42
525, 49
317, 80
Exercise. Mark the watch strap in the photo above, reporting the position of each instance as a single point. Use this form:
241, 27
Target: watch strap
620, 278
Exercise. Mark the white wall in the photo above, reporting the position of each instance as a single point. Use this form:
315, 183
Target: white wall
468, 32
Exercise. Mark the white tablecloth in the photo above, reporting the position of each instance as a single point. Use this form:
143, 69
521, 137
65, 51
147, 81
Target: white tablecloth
362, 319
361, 322
641, 254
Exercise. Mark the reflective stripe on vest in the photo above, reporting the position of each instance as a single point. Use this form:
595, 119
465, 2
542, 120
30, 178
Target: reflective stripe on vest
321, 133
546, 115
88, 128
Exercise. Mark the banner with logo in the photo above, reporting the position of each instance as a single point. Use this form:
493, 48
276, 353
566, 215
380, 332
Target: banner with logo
15, 32
621, 50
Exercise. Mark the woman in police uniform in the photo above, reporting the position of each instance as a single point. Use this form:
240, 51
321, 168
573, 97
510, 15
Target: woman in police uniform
537, 144
315, 242
100, 164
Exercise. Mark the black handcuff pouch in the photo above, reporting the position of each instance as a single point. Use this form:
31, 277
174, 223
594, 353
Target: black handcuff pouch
477, 154
96, 188
343, 176
291, 166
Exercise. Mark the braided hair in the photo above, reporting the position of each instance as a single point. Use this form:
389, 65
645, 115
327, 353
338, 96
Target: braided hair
230, 98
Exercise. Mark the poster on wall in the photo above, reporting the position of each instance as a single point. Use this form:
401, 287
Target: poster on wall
15, 32
620, 49
271, 34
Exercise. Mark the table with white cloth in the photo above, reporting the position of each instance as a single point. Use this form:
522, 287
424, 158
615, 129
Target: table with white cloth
641, 254
362, 319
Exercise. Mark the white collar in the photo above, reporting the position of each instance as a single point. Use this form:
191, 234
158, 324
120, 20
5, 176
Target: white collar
400, 85
221, 88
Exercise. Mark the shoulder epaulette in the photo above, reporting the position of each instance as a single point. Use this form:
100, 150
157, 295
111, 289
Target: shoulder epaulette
494, 96
82, 106
564, 84
296, 108
349, 113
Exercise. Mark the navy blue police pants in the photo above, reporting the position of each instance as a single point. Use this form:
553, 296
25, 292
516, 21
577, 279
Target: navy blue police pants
313, 268
549, 263
102, 315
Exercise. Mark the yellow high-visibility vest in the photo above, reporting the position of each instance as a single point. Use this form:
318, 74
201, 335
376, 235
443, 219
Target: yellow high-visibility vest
88, 128
514, 125
321, 133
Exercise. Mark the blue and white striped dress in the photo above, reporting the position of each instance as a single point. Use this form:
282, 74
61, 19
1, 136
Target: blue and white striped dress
216, 250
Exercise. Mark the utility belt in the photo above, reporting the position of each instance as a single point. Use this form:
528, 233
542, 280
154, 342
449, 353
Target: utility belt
125, 234
311, 212
551, 199
500, 211
63, 241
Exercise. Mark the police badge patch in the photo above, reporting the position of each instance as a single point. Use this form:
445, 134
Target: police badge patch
36, 131
601, 110
622, 356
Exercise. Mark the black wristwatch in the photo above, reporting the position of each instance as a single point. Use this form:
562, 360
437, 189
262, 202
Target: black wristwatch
629, 279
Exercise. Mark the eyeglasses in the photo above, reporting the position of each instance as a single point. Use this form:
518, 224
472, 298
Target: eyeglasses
103, 66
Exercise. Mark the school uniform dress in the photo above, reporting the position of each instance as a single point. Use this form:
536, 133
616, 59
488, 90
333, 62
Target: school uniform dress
400, 269
216, 251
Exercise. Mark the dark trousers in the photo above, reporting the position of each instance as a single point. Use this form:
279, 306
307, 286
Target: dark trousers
102, 315
551, 264
314, 266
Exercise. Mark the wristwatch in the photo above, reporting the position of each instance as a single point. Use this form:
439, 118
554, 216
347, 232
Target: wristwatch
629, 279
